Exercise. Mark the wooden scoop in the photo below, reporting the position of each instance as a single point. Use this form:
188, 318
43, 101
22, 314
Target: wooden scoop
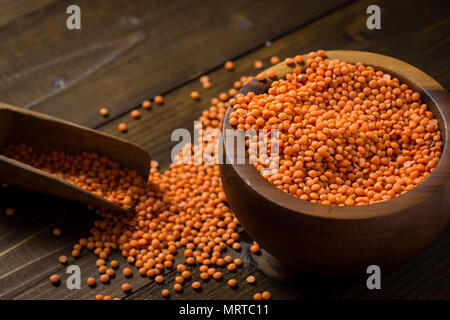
44, 134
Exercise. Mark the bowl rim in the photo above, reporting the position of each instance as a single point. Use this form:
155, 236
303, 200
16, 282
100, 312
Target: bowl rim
432, 93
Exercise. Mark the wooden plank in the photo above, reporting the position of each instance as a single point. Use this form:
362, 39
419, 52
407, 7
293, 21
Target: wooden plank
415, 279
14, 9
203, 37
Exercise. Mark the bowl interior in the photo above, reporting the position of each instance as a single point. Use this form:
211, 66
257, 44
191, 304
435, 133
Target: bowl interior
432, 93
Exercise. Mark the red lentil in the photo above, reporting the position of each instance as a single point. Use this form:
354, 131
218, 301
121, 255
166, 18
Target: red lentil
122, 127
261, 77
250, 279
104, 112
126, 287
195, 95
207, 85
63, 259
127, 272
104, 278
258, 64
159, 100
274, 60
229, 65
231, 267
266, 295
254, 248
90, 282
257, 296
165, 293
177, 287
232, 282
146, 104
110, 272
75, 253
135, 114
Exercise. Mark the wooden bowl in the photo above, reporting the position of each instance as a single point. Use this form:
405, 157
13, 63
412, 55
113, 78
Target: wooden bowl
331, 239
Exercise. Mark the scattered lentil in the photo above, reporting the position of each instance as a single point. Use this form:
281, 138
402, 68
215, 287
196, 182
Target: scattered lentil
122, 127
90, 282
159, 100
232, 282
104, 112
257, 296
195, 95
63, 259
274, 60
254, 248
165, 293
54, 278
207, 85
126, 287
135, 114
258, 64
114, 264
266, 295
229, 65
177, 287
104, 278
110, 272
146, 104
127, 272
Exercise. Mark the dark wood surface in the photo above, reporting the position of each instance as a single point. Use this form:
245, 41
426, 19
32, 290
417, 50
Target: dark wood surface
127, 52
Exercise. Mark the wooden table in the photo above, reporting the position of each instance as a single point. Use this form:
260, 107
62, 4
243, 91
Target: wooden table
127, 52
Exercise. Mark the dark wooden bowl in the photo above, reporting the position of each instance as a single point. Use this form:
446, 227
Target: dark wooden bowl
331, 239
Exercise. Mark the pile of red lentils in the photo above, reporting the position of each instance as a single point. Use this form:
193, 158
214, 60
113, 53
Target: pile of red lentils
348, 134
183, 208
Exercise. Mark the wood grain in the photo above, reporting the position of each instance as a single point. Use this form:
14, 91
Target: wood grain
183, 40
416, 32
